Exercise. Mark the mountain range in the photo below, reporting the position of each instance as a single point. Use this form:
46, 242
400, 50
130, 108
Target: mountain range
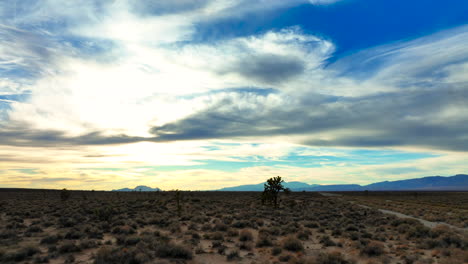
458, 182
294, 185
140, 188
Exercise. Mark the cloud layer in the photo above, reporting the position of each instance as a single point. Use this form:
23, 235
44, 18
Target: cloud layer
108, 80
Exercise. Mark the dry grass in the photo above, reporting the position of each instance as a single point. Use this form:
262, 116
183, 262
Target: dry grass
215, 227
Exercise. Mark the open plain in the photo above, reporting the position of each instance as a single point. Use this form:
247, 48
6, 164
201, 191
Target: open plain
47, 226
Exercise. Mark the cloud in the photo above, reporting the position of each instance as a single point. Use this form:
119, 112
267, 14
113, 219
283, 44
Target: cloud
424, 61
437, 122
44, 138
125, 82
269, 68
323, 2
24, 55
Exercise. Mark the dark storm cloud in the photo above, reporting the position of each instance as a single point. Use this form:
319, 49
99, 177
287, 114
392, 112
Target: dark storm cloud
268, 68
412, 118
26, 137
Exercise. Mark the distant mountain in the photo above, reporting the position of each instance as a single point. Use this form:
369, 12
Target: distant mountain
457, 182
434, 183
140, 188
294, 186
336, 187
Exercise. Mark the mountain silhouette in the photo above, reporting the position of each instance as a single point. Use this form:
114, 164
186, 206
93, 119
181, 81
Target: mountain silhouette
140, 188
458, 182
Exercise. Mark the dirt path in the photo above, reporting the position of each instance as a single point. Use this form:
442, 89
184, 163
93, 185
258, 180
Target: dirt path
424, 222
400, 215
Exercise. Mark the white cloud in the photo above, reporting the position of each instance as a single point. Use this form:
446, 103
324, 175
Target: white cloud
323, 2
150, 74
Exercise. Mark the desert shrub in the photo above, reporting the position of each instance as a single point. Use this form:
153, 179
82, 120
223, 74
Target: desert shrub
259, 222
351, 228
290, 228
128, 240
336, 232
373, 249
431, 243
217, 236
53, 239
292, 244
311, 224
439, 230
275, 251
52, 248
106, 255
34, 229
221, 249
159, 222
221, 227
264, 241
418, 231
405, 221
196, 235
285, 258
87, 243
68, 247
240, 224
193, 226
123, 230
232, 233
175, 228
8, 234
454, 240
410, 259
104, 213
74, 234
331, 258
67, 222
216, 244
69, 259
246, 246
353, 236
327, 241
245, 235
93, 232
168, 250
274, 231
233, 255
365, 234
304, 235
20, 255
41, 259
206, 227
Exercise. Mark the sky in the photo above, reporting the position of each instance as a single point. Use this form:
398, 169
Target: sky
204, 94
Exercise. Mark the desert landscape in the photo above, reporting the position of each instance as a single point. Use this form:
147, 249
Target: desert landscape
234, 131
49, 226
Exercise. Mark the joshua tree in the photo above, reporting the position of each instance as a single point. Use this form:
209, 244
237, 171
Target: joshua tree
272, 188
64, 194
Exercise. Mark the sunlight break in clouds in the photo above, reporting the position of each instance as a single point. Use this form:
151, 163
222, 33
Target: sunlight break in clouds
168, 92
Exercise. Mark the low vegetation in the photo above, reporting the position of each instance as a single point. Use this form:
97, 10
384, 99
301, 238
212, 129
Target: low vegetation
214, 227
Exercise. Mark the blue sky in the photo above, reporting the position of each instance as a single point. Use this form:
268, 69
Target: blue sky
208, 94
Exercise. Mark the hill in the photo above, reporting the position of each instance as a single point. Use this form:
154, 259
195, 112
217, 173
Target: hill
140, 188
433, 183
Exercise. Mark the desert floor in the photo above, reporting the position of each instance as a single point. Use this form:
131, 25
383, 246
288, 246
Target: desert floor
43, 226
